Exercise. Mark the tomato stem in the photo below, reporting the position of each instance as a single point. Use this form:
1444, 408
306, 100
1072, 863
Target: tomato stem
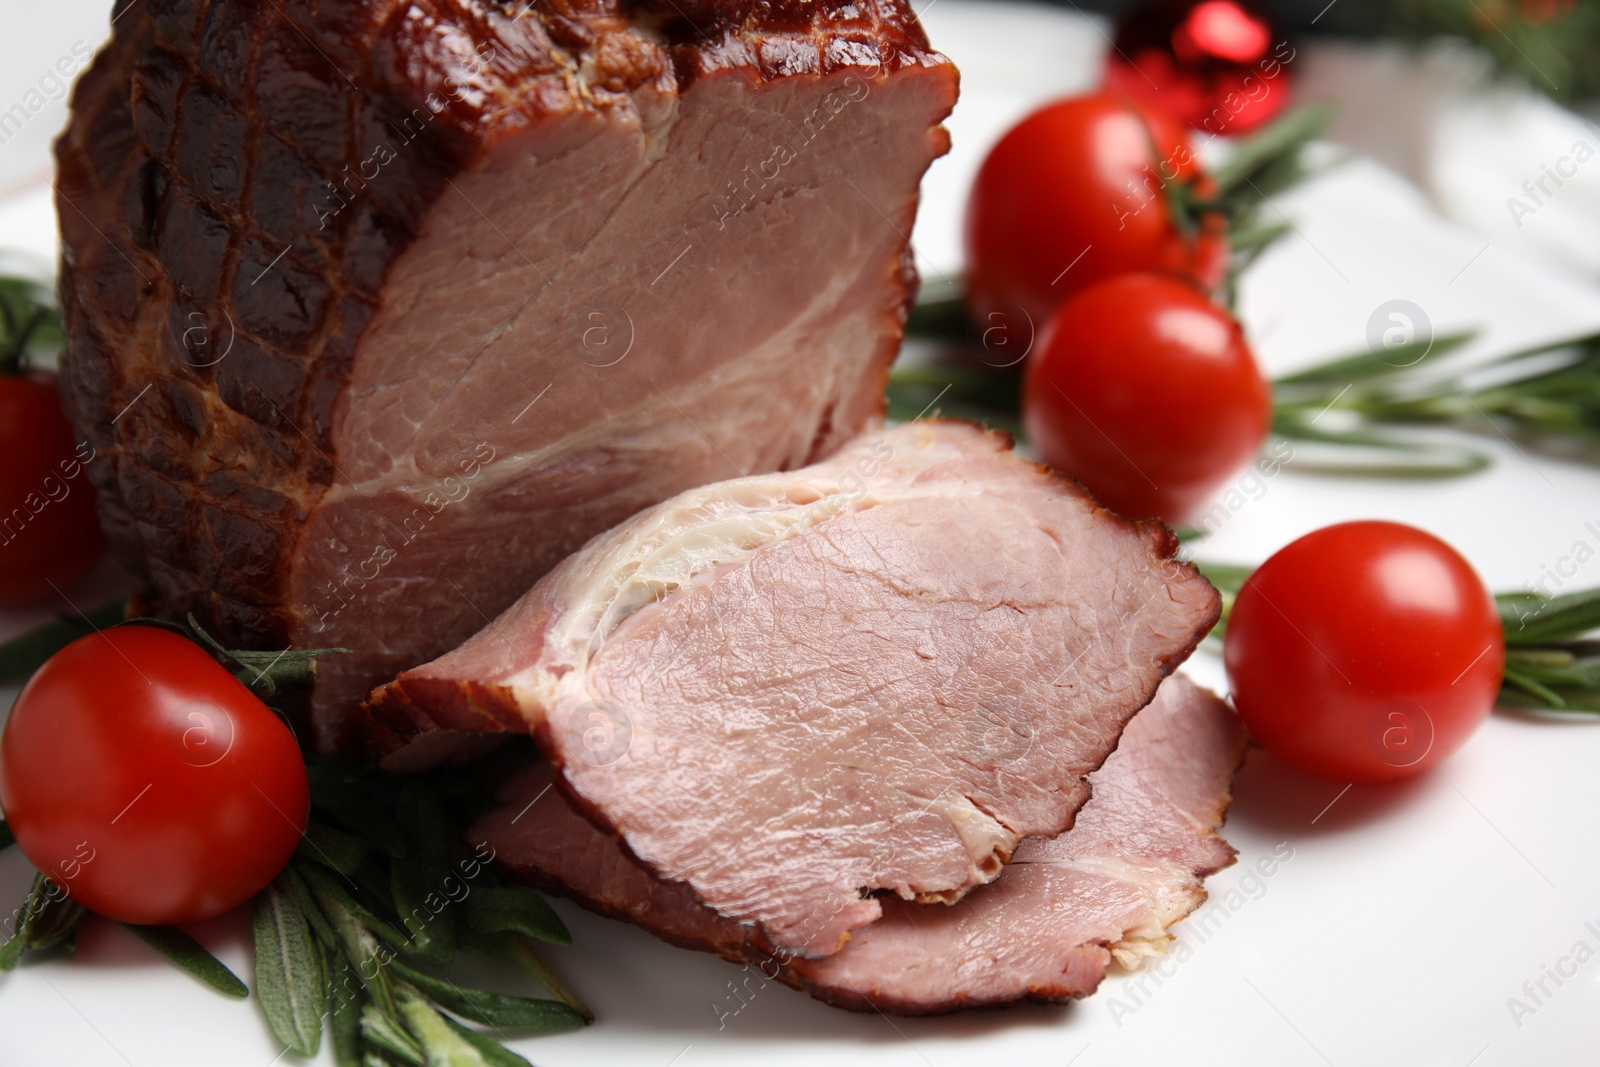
263, 672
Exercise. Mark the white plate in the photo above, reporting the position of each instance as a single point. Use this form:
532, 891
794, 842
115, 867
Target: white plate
1407, 917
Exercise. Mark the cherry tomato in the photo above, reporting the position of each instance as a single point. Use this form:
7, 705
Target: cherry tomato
1364, 652
1076, 193
1146, 392
49, 536
147, 781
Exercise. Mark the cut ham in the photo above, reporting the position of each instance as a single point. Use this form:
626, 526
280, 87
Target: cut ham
1046, 930
879, 673
377, 310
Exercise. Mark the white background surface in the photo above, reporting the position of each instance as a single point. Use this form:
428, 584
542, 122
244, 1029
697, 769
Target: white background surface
1407, 915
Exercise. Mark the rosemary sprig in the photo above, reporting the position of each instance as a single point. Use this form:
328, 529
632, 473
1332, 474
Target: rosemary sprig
1346, 411
1547, 397
988, 396
292, 980
381, 898
940, 313
46, 920
1261, 167
1552, 651
358, 930
192, 956
1552, 643
1266, 164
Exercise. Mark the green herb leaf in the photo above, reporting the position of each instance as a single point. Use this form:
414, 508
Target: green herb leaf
309, 909
1547, 397
1257, 237
30, 325
522, 949
421, 882
349, 1002
334, 897
1584, 703
353, 928
493, 910
1542, 694
1365, 366
392, 1038
291, 978
23, 920
1375, 455
990, 397
1561, 676
47, 919
1281, 140
443, 1043
57, 925
192, 956
332, 848
355, 810
492, 1009
940, 312
7, 839
1531, 619
491, 1052
21, 656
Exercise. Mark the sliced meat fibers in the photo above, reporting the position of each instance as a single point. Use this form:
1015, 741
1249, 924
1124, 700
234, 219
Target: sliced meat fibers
879, 673
375, 311
1046, 930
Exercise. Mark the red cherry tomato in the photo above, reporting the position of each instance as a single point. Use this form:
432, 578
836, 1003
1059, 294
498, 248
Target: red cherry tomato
1146, 392
1076, 193
1364, 652
147, 781
49, 536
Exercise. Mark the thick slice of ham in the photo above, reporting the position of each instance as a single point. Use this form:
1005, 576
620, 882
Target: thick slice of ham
375, 311
879, 673
1046, 930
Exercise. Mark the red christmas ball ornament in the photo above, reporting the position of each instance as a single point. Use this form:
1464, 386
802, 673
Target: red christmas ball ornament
1539, 12
1220, 65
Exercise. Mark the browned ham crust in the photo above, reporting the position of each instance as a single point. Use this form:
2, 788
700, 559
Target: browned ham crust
320, 257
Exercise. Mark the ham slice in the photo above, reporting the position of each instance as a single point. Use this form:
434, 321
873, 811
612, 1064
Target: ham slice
876, 674
1046, 930
375, 311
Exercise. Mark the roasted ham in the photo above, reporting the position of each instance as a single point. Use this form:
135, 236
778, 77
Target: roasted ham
876, 674
375, 311
1046, 930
